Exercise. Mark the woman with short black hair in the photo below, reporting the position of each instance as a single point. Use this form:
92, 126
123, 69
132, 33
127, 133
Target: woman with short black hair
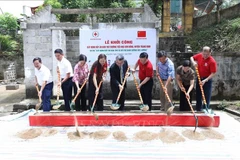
185, 80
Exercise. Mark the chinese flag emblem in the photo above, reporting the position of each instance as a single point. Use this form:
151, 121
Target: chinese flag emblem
141, 34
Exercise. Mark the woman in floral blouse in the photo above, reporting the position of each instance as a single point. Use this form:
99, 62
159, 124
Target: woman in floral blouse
80, 75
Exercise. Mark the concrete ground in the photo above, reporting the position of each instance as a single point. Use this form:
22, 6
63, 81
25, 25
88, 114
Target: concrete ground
10, 97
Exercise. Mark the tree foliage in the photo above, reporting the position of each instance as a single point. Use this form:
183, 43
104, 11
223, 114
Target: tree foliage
84, 4
223, 37
8, 37
156, 6
8, 46
8, 24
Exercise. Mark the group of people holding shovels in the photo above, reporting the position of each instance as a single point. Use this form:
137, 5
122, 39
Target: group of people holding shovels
204, 63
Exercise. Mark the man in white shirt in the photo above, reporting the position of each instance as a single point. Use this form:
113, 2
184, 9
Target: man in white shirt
66, 74
43, 78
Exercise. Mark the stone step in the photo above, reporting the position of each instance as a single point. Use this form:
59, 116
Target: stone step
129, 105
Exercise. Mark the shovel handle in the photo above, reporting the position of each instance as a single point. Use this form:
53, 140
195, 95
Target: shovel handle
59, 80
184, 91
40, 100
138, 90
96, 95
79, 90
161, 82
191, 107
124, 81
201, 87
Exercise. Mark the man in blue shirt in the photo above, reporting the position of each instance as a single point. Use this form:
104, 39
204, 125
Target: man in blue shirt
165, 69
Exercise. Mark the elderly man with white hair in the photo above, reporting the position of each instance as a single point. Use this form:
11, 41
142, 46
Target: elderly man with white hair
207, 68
117, 72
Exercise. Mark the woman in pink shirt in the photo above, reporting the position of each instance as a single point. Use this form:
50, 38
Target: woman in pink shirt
80, 75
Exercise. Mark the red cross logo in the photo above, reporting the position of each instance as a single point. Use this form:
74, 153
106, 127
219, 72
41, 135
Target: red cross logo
95, 34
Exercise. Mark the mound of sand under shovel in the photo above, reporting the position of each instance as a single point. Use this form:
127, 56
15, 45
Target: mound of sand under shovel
119, 135
100, 134
193, 135
30, 133
49, 132
75, 136
209, 133
168, 136
145, 136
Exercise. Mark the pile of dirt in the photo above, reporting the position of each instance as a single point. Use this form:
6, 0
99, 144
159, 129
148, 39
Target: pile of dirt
168, 136
73, 136
49, 132
120, 136
193, 135
30, 133
145, 136
212, 134
100, 134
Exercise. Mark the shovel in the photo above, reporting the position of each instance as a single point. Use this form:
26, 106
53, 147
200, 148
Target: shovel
72, 105
143, 107
206, 110
94, 102
76, 125
189, 103
38, 105
170, 109
116, 106
58, 104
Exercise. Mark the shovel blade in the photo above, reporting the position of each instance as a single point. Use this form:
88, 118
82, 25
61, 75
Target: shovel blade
57, 106
170, 110
115, 106
38, 106
144, 107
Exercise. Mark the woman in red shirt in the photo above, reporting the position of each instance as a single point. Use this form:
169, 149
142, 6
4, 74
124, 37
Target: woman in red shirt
98, 70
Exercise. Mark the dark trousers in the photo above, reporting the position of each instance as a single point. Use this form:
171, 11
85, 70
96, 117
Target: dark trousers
184, 106
146, 93
115, 92
207, 87
46, 96
80, 102
91, 95
67, 93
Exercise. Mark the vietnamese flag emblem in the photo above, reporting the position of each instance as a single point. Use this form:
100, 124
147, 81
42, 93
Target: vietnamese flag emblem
141, 34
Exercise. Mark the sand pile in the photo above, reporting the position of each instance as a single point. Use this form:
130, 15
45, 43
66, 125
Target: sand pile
30, 133
75, 135
100, 134
49, 132
120, 136
168, 136
209, 133
145, 136
193, 135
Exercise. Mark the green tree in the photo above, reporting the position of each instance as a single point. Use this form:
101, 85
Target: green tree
73, 4
8, 24
53, 3
156, 6
7, 45
84, 4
